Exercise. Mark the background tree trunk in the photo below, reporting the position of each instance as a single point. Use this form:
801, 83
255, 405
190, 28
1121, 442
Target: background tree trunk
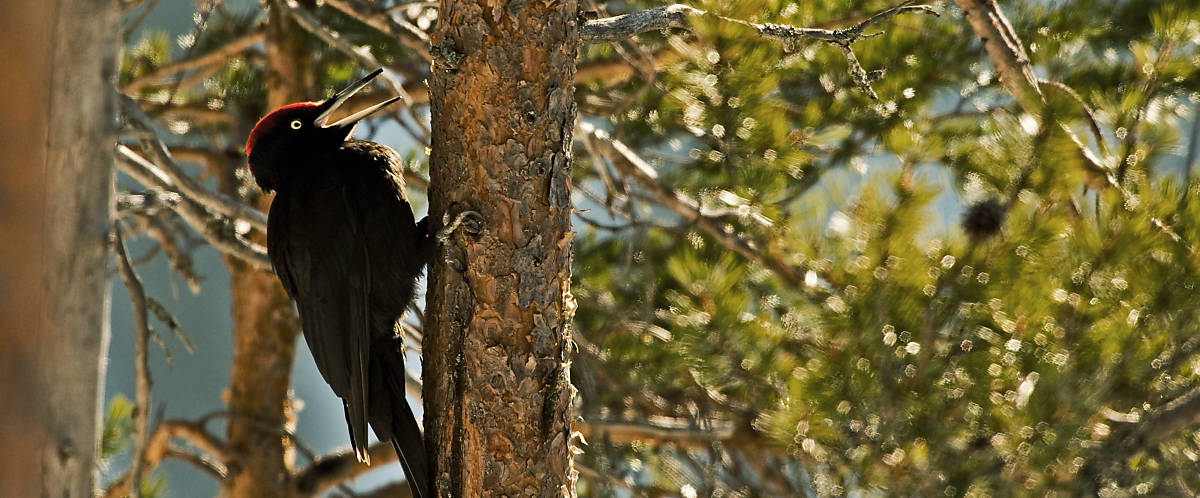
55, 209
264, 325
496, 368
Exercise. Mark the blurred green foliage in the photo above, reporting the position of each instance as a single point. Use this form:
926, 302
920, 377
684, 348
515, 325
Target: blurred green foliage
116, 439
914, 360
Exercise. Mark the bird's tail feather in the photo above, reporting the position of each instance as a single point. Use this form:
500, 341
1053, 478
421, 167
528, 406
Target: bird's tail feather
391, 409
410, 447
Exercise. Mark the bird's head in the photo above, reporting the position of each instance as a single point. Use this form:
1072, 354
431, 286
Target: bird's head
290, 136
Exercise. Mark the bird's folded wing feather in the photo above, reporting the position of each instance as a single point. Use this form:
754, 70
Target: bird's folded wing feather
319, 256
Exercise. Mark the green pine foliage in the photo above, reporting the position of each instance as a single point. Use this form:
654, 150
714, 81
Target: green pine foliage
913, 359
116, 435
116, 440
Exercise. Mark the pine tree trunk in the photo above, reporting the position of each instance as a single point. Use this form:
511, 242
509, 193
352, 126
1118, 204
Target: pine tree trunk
55, 213
264, 325
496, 368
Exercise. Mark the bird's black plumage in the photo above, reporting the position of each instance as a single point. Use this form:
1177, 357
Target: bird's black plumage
343, 240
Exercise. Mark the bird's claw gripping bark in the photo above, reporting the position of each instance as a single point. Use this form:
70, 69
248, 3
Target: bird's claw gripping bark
470, 222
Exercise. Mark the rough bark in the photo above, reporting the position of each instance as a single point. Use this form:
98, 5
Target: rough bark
264, 325
55, 210
496, 367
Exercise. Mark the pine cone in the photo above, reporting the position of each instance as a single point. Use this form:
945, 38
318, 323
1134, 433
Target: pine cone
984, 219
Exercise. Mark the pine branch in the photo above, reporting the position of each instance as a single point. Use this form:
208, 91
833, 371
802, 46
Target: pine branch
141, 321
682, 16
631, 165
329, 471
1008, 54
215, 57
634, 489
404, 32
656, 430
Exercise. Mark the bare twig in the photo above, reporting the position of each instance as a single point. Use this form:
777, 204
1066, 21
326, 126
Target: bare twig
179, 259
184, 183
630, 164
212, 467
141, 322
164, 316
216, 232
216, 56
1083, 107
682, 16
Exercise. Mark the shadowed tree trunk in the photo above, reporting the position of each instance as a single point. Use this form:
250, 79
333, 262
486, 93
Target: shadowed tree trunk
55, 208
264, 325
497, 390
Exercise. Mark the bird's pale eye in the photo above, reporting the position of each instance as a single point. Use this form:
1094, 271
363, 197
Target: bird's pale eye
296, 124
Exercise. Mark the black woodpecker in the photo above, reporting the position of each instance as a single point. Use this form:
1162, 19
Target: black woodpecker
344, 242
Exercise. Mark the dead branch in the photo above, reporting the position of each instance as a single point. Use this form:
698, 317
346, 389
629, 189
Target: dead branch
329, 471
179, 259
213, 468
184, 183
215, 456
141, 322
215, 231
682, 16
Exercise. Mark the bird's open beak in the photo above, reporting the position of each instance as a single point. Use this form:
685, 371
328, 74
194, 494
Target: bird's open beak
330, 105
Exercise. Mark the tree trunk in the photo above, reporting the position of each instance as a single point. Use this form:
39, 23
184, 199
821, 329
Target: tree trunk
496, 368
264, 324
55, 212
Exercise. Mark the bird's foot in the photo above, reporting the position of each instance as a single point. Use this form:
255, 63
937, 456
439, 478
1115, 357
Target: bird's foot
470, 221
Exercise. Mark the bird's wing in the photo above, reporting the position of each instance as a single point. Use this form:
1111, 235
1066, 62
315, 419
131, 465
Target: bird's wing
316, 246
360, 333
